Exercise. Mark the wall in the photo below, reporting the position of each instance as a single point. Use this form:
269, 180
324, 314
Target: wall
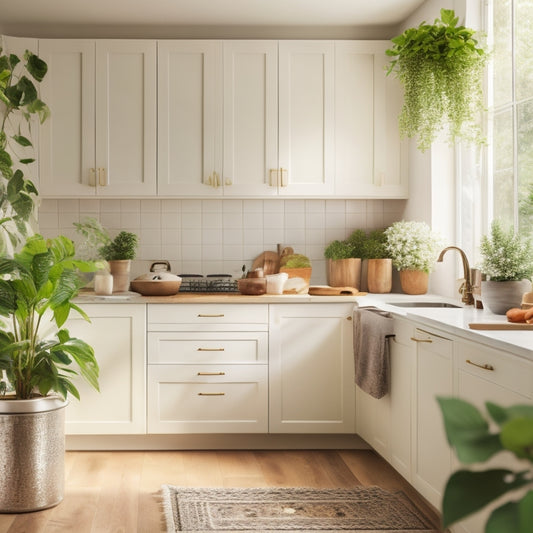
220, 236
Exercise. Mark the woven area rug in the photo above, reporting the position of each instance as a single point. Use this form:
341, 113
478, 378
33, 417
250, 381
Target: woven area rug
368, 509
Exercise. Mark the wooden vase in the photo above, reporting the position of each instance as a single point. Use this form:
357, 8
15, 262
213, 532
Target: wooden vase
379, 275
344, 272
120, 270
414, 281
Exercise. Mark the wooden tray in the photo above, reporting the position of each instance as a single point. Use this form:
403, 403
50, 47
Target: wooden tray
500, 325
326, 290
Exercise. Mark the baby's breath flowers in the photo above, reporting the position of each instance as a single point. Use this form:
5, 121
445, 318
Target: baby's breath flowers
412, 245
507, 256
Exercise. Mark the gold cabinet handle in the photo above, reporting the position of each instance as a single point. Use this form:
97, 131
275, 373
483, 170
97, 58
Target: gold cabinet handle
283, 172
217, 175
210, 349
484, 367
421, 340
211, 373
102, 177
210, 316
92, 177
209, 180
211, 394
271, 182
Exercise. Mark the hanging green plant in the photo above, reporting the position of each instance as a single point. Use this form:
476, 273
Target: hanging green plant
441, 67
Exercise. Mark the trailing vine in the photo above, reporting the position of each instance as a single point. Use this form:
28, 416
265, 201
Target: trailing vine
441, 67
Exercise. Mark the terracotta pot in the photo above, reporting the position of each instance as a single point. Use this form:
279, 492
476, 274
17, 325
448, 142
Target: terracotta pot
414, 281
379, 275
500, 296
120, 270
344, 272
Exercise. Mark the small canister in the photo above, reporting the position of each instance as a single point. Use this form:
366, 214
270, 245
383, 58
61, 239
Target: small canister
275, 282
103, 283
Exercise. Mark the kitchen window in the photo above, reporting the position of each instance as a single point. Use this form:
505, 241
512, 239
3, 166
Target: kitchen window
510, 121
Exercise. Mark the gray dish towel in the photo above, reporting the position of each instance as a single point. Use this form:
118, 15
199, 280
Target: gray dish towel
371, 329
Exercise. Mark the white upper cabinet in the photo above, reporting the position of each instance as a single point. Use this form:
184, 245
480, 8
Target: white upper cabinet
370, 160
190, 118
250, 118
101, 136
306, 118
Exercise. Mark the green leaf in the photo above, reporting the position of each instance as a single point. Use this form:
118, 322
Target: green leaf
36, 66
467, 431
512, 517
467, 492
23, 141
501, 415
27, 161
517, 436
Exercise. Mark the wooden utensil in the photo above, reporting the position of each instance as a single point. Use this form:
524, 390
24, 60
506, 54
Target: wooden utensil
326, 290
500, 325
268, 261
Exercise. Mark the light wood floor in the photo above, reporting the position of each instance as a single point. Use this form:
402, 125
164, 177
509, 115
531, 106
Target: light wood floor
112, 492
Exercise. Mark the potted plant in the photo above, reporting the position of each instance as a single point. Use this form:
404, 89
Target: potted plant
296, 266
441, 67
118, 252
343, 269
20, 103
37, 286
469, 491
413, 248
379, 264
507, 262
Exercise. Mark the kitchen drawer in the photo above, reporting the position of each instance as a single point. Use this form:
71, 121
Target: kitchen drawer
207, 317
208, 347
496, 366
207, 399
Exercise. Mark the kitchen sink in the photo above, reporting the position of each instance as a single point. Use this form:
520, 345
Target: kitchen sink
424, 304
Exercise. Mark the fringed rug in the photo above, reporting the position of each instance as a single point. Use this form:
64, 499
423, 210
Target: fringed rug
368, 509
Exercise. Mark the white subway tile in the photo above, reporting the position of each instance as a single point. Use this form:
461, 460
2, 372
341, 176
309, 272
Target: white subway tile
151, 220
273, 220
92, 206
294, 236
211, 236
232, 219
253, 236
212, 219
191, 237
48, 206
150, 206
111, 220
170, 220
211, 206
170, 237
232, 237
191, 220
232, 206
253, 220
336, 220
48, 221
315, 206
212, 252
130, 206
130, 221
230, 252
252, 206
110, 206
294, 206
170, 206
315, 220
191, 252
356, 206
68, 206
335, 206
191, 206
274, 206
315, 236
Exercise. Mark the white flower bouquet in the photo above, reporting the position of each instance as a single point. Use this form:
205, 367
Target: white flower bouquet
412, 245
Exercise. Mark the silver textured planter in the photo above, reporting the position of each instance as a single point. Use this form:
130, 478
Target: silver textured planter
500, 296
32, 453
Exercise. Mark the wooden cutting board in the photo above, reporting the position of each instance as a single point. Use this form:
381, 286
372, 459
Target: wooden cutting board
500, 326
268, 261
326, 290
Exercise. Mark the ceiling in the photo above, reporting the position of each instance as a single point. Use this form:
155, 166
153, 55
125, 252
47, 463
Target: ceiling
18, 14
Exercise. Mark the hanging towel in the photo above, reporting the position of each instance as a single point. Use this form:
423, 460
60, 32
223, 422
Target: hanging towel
372, 328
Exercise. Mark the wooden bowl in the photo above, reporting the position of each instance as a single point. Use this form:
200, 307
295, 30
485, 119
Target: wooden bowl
157, 287
252, 286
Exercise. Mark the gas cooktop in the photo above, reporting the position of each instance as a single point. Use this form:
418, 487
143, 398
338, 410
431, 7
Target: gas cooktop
209, 283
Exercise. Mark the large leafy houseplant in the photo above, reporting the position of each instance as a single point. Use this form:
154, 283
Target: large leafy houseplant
19, 102
37, 286
441, 67
469, 491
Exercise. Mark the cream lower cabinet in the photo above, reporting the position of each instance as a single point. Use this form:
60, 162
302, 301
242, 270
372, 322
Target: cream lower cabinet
207, 368
386, 424
311, 368
117, 334
485, 374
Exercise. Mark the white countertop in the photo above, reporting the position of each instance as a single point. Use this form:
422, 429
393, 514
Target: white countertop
456, 321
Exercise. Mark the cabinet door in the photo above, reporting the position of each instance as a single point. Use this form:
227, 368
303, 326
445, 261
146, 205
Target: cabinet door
67, 147
306, 118
250, 118
189, 118
126, 117
491, 375
432, 454
311, 368
117, 334
370, 160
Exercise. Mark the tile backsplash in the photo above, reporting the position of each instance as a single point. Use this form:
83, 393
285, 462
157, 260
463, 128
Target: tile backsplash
220, 236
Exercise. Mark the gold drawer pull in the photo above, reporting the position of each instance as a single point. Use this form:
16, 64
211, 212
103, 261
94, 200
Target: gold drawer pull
484, 367
211, 394
211, 373
210, 349
421, 340
210, 316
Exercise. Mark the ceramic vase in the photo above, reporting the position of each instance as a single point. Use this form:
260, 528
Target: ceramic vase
414, 281
344, 272
379, 275
120, 270
500, 296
